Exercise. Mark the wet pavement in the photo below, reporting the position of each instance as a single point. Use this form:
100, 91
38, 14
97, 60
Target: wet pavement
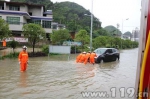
55, 77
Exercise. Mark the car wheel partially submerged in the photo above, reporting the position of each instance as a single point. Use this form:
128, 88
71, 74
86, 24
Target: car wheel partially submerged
101, 61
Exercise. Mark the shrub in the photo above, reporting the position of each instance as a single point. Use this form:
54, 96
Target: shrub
45, 49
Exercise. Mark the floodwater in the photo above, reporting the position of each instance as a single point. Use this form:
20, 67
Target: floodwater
56, 77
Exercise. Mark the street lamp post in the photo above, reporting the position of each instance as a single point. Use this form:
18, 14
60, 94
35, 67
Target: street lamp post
122, 30
91, 26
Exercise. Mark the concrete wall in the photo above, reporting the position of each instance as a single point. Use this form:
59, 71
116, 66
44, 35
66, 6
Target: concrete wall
36, 11
49, 16
24, 8
48, 30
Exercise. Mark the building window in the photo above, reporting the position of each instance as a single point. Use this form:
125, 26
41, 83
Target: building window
54, 26
46, 24
34, 21
1, 7
13, 20
15, 8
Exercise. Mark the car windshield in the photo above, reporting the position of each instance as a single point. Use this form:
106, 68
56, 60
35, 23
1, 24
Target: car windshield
100, 51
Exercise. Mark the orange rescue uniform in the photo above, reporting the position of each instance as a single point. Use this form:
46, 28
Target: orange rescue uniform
4, 43
82, 59
23, 59
87, 57
92, 60
78, 57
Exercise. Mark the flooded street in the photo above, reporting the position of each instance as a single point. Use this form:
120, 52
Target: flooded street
57, 78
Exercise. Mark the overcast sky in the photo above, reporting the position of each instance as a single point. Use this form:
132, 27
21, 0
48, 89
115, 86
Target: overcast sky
111, 12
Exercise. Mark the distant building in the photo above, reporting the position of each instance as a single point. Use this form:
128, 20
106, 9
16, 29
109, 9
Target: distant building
135, 34
126, 37
16, 14
57, 26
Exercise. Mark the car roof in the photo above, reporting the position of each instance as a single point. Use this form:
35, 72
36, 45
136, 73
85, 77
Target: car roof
106, 48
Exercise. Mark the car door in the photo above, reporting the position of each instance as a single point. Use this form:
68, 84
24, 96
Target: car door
108, 55
114, 54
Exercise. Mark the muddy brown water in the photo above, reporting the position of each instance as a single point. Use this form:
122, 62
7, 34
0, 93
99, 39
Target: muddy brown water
56, 77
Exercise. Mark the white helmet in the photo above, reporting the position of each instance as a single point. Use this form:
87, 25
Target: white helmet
24, 47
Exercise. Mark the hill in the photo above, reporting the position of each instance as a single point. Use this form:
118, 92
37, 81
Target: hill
128, 34
113, 30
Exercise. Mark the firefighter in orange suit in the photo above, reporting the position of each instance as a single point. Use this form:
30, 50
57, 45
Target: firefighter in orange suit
82, 59
4, 43
23, 59
92, 60
78, 57
87, 56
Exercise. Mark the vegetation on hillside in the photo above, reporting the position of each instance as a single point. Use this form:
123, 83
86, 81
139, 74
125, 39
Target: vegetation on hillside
113, 31
129, 34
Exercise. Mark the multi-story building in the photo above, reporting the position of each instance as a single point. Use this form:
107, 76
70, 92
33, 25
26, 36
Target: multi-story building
17, 14
135, 34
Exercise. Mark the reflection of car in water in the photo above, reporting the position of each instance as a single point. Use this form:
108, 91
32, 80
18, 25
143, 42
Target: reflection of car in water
106, 55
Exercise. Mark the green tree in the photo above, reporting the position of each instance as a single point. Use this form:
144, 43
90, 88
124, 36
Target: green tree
59, 36
34, 33
82, 37
100, 32
13, 44
4, 29
100, 41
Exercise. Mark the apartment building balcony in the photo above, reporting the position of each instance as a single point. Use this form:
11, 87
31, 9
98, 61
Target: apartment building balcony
17, 26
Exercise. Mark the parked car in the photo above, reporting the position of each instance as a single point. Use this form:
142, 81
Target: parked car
106, 55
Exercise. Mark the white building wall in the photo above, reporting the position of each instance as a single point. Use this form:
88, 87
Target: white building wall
36, 11
24, 8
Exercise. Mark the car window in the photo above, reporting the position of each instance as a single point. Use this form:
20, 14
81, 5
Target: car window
114, 50
109, 51
100, 51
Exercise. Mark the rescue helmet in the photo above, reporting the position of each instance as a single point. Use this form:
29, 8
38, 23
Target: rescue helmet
24, 47
84, 52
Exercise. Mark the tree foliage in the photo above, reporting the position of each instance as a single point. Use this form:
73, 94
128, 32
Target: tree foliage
4, 29
59, 36
13, 44
115, 42
82, 37
34, 33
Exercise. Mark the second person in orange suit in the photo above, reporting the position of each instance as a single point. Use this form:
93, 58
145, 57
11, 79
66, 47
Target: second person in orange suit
82, 59
92, 58
23, 59
87, 56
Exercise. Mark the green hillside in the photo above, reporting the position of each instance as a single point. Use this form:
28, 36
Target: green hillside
113, 30
128, 33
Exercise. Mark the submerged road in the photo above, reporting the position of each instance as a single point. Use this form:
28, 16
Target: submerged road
57, 78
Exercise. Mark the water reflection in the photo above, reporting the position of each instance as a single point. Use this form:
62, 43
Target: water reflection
86, 71
23, 79
110, 65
